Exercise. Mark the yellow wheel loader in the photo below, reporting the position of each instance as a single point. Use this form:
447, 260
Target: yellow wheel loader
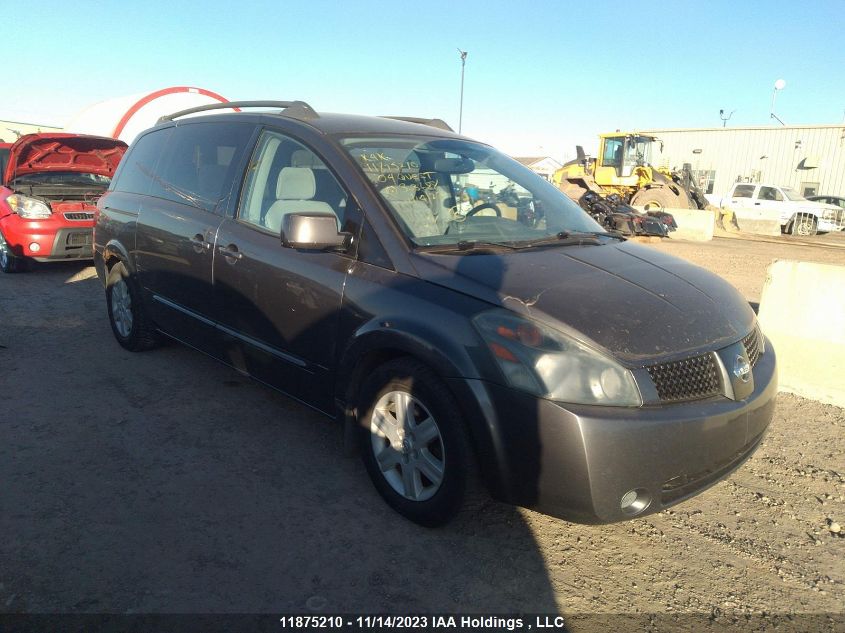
623, 167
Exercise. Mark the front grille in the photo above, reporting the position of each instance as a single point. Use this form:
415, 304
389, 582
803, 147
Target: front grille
689, 379
80, 239
677, 488
82, 215
751, 343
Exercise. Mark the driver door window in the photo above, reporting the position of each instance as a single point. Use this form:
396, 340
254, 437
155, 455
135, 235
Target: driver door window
286, 177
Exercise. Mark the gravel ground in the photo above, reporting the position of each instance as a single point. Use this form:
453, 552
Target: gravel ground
164, 482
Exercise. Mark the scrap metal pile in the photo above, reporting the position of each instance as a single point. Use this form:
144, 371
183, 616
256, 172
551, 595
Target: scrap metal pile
614, 214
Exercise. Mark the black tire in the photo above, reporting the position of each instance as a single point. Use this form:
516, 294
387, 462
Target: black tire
452, 447
659, 198
10, 263
803, 225
129, 321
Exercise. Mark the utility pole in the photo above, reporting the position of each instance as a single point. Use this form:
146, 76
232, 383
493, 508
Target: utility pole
461, 111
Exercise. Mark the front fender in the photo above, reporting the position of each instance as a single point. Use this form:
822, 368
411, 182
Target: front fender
112, 252
448, 356
379, 340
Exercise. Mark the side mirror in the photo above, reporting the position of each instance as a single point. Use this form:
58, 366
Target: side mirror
312, 231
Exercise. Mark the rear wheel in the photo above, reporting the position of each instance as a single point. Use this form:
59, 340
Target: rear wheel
660, 198
413, 442
127, 314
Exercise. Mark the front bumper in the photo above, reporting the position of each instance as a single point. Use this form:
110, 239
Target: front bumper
830, 226
56, 239
576, 462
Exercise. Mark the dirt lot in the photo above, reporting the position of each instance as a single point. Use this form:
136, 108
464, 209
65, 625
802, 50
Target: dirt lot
164, 482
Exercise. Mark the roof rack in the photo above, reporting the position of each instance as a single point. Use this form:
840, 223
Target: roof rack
293, 109
438, 123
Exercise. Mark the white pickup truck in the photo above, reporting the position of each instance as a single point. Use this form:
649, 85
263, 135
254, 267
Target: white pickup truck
796, 214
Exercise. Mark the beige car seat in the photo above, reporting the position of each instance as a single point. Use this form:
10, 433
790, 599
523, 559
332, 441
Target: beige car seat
295, 189
415, 214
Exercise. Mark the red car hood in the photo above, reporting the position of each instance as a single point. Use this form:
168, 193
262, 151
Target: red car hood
63, 152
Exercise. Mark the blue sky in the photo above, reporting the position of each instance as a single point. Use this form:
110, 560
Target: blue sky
540, 76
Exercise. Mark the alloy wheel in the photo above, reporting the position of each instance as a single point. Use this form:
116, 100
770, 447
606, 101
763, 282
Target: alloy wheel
121, 308
407, 445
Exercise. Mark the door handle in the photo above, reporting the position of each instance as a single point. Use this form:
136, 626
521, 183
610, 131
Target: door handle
756, 204
230, 252
199, 244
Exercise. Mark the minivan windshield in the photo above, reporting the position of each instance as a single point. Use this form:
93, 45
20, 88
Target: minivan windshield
451, 191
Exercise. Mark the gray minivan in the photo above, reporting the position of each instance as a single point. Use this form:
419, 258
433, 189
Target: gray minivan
458, 314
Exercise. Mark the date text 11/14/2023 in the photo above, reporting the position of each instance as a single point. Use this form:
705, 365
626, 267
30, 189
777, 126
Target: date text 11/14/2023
399, 622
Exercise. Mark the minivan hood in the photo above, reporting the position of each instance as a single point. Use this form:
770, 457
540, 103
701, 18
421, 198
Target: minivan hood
633, 301
63, 152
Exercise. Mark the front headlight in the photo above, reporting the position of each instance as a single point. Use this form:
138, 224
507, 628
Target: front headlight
28, 208
540, 360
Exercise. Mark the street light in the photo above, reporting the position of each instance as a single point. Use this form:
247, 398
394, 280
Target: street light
780, 84
461, 112
724, 118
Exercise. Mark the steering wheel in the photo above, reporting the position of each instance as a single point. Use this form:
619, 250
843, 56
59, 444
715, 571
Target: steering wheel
485, 205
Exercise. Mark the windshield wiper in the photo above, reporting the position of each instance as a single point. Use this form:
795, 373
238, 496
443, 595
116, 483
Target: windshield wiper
616, 235
564, 238
469, 246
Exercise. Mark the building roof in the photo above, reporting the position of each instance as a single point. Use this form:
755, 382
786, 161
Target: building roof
774, 128
529, 160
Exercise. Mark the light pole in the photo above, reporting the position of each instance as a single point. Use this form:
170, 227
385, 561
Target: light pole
780, 84
724, 118
461, 111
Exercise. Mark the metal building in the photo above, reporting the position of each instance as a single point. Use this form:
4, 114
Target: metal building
11, 131
808, 158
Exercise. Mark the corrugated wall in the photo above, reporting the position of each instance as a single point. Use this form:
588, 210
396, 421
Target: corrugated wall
11, 130
775, 152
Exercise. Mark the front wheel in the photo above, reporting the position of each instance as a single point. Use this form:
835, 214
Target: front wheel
413, 442
659, 199
804, 225
9, 263
127, 314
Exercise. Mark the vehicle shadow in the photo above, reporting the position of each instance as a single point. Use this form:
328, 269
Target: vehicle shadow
167, 483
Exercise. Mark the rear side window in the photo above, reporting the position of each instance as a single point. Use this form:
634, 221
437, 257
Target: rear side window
744, 191
199, 163
136, 173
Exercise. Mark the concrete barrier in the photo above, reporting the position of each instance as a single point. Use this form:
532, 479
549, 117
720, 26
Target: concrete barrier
756, 221
802, 311
693, 224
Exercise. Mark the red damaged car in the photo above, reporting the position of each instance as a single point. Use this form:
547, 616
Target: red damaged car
51, 183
